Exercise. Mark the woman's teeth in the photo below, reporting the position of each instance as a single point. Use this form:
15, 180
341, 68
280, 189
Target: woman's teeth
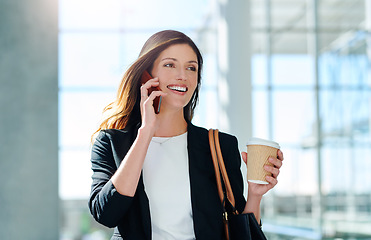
177, 88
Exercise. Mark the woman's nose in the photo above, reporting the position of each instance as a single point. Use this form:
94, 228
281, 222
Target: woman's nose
181, 75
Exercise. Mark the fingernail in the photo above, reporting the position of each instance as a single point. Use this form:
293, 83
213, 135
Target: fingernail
268, 177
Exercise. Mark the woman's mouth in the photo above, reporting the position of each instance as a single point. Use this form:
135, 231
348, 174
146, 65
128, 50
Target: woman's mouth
181, 89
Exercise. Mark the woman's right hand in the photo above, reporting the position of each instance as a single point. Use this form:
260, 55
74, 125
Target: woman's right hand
127, 176
149, 117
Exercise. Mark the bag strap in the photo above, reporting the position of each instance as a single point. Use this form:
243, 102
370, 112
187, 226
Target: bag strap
220, 169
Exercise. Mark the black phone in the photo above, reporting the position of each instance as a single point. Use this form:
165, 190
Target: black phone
157, 101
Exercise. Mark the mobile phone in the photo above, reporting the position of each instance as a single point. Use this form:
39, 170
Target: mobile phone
157, 101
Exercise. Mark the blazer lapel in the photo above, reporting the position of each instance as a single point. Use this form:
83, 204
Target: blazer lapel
144, 208
206, 206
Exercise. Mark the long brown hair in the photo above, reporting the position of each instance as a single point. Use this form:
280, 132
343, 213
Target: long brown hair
125, 110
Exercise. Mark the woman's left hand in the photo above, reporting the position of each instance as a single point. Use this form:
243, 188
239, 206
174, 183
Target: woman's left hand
261, 189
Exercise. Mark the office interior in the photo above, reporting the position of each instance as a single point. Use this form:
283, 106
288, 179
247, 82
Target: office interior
294, 71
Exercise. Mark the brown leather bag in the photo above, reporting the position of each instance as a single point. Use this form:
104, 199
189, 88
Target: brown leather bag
237, 226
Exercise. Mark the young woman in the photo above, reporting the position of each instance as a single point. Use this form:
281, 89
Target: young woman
153, 173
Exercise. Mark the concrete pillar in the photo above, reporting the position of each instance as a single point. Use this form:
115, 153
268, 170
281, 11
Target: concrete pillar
368, 15
235, 75
29, 202
368, 28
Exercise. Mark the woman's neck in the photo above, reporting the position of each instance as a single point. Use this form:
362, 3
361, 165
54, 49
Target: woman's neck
171, 124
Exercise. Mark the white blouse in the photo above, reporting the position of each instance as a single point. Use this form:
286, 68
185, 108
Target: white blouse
166, 181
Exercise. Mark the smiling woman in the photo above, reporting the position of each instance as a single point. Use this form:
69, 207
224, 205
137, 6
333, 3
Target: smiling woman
98, 40
153, 174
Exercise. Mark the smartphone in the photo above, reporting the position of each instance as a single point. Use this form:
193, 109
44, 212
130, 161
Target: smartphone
157, 101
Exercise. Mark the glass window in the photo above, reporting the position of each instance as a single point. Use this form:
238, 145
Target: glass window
74, 173
293, 116
161, 14
260, 114
259, 70
83, 15
292, 70
337, 135
79, 116
89, 60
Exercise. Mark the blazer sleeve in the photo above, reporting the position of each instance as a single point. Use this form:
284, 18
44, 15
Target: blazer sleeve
106, 205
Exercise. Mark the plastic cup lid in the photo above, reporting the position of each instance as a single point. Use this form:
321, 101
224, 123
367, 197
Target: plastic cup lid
259, 141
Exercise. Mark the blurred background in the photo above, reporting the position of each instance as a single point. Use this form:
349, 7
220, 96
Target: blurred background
294, 71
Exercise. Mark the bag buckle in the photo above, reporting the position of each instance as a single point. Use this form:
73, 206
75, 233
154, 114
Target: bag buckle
225, 216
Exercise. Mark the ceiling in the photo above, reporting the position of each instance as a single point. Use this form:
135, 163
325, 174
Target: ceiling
292, 22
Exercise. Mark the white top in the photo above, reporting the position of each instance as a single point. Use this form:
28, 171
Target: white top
166, 181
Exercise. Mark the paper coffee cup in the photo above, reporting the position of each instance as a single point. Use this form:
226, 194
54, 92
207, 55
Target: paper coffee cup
258, 152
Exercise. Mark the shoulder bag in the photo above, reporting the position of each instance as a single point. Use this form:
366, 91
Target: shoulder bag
237, 226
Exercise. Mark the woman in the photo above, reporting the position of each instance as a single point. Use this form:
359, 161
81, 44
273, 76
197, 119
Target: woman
153, 173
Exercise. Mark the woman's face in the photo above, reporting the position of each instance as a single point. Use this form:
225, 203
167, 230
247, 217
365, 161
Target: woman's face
177, 68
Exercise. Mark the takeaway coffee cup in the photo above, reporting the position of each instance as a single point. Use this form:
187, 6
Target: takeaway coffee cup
258, 152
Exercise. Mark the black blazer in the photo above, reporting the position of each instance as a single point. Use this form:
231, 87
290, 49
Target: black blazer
131, 216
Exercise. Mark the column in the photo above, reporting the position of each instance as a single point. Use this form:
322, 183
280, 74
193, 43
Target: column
368, 29
235, 75
29, 202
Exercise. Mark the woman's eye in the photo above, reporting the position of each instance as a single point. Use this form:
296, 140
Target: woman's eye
194, 69
169, 65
